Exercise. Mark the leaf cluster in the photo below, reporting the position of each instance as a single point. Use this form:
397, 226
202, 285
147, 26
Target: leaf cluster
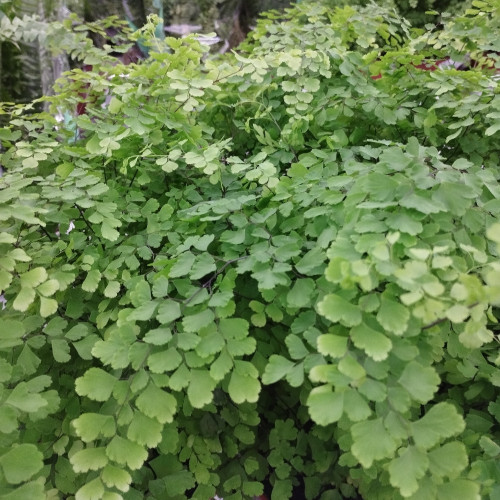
262, 269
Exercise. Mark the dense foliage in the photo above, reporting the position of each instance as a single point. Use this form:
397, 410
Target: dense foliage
263, 268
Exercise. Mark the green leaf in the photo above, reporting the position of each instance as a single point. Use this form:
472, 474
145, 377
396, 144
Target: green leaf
12, 332
89, 459
448, 460
168, 311
47, 307
374, 343
440, 422
195, 322
92, 280
24, 400
112, 289
116, 477
92, 490
96, 384
158, 336
60, 350
277, 368
406, 470
48, 288
221, 366
160, 287
21, 463
34, 277
24, 299
332, 345
89, 426
372, 441
296, 347
325, 406
355, 406
182, 266
301, 293
144, 430
243, 384
203, 266
164, 361
421, 382
109, 232
125, 452
156, 403
200, 390
339, 310
393, 316
211, 344
459, 488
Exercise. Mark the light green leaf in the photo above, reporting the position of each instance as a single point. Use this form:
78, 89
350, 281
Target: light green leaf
89, 426
325, 406
200, 390
114, 477
448, 460
47, 307
160, 287
182, 266
221, 366
440, 422
125, 452
93, 490
96, 384
406, 470
296, 347
203, 266
34, 277
277, 368
48, 288
339, 310
24, 299
164, 361
156, 403
144, 312
301, 293
168, 311
24, 400
158, 336
60, 350
374, 343
211, 344
243, 384
112, 289
21, 463
92, 280
421, 382
355, 406
12, 332
372, 441
195, 322
459, 488
89, 459
332, 345
5, 279
144, 430
393, 316
108, 231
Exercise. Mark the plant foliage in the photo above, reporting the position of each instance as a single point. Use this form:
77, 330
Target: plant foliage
263, 268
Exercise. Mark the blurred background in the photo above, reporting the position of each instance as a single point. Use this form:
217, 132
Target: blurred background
28, 70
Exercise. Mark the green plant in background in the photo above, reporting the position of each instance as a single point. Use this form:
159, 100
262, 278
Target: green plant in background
265, 267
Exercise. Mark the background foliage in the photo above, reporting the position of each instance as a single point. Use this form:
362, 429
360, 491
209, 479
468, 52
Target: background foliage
259, 268
27, 69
